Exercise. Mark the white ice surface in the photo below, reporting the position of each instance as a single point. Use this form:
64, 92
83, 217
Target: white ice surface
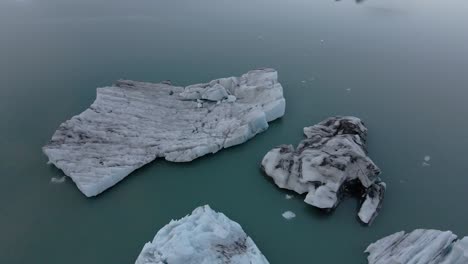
204, 237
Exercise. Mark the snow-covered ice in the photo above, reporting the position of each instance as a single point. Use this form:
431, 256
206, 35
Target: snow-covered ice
204, 237
331, 161
288, 215
132, 123
288, 196
421, 246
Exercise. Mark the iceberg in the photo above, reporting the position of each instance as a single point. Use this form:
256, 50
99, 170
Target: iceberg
203, 237
132, 123
331, 162
421, 246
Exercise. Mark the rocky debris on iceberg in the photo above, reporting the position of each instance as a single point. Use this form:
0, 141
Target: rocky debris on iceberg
205, 236
331, 162
132, 123
421, 246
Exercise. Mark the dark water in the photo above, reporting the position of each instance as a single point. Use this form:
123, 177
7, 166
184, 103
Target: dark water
402, 66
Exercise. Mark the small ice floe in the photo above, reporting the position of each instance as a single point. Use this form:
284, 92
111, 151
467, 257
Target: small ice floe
288, 215
348, 90
303, 81
288, 197
58, 179
402, 181
322, 40
260, 37
425, 163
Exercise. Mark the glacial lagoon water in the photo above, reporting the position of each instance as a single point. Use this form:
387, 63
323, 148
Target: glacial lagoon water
401, 66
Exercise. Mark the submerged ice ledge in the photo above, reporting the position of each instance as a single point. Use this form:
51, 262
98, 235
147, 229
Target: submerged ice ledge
421, 246
132, 123
205, 236
332, 161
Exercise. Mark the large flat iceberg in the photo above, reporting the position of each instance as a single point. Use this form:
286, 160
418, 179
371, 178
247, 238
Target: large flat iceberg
204, 237
421, 246
329, 163
132, 123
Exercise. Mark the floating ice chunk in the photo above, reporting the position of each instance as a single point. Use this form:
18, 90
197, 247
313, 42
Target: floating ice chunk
205, 236
288, 197
348, 89
330, 161
58, 179
420, 246
288, 215
426, 163
133, 123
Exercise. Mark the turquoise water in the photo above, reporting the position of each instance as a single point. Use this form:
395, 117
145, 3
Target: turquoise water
402, 66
